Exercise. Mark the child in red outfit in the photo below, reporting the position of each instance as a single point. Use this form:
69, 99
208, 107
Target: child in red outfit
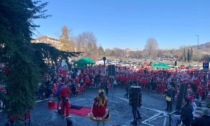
99, 111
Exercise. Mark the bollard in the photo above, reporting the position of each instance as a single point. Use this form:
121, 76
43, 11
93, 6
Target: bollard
169, 120
169, 117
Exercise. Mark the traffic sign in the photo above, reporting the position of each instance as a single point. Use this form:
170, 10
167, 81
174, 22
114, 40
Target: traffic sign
206, 66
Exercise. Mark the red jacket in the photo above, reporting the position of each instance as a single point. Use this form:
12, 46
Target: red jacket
108, 84
99, 110
64, 92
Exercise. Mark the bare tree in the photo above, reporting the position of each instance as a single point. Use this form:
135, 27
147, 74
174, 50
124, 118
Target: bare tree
206, 57
118, 52
139, 54
101, 51
108, 52
86, 42
133, 54
80, 43
198, 55
151, 48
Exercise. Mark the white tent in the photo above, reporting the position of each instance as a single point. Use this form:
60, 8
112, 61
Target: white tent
100, 62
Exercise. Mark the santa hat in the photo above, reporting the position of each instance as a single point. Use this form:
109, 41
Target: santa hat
190, 98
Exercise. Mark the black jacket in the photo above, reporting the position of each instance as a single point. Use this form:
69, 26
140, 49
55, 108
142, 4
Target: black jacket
202, 121
186, 114
169, 92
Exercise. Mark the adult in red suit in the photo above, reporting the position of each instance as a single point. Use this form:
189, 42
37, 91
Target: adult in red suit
64, 93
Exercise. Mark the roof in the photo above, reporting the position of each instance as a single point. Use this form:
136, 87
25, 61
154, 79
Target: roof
85, 60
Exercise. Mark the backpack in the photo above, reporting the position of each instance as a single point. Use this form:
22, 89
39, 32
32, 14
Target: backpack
58, 89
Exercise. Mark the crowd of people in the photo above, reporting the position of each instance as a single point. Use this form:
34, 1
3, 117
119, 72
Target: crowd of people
169, 82
163, 81
149, 79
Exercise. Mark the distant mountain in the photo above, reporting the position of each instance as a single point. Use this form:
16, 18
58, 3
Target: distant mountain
202, 46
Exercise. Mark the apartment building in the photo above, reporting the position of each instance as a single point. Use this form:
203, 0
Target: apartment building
48, 40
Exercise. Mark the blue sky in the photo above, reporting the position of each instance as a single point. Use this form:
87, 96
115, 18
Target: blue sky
130, 23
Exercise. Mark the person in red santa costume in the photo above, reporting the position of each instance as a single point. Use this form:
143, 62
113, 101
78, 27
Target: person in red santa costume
64, 93
99, 109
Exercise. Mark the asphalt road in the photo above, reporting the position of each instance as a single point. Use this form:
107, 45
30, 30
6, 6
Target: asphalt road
152, 110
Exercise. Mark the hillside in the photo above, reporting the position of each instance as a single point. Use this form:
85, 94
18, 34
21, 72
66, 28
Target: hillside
203, 47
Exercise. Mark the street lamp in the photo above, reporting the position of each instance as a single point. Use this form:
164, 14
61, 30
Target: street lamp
197, 40
104, 59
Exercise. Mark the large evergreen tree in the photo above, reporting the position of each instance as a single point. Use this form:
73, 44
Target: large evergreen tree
188, 55
24, 65
67, 44
21, 65
184, 56
191, 54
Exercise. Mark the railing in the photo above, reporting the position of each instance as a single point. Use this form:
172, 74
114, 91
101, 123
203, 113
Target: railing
170, 118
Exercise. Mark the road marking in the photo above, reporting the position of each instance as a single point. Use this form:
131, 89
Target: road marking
39, 101
155, 118
156, 110
147, 120
164, 124
165, 114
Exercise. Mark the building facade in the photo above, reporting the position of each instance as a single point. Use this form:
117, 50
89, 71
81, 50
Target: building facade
48, 40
